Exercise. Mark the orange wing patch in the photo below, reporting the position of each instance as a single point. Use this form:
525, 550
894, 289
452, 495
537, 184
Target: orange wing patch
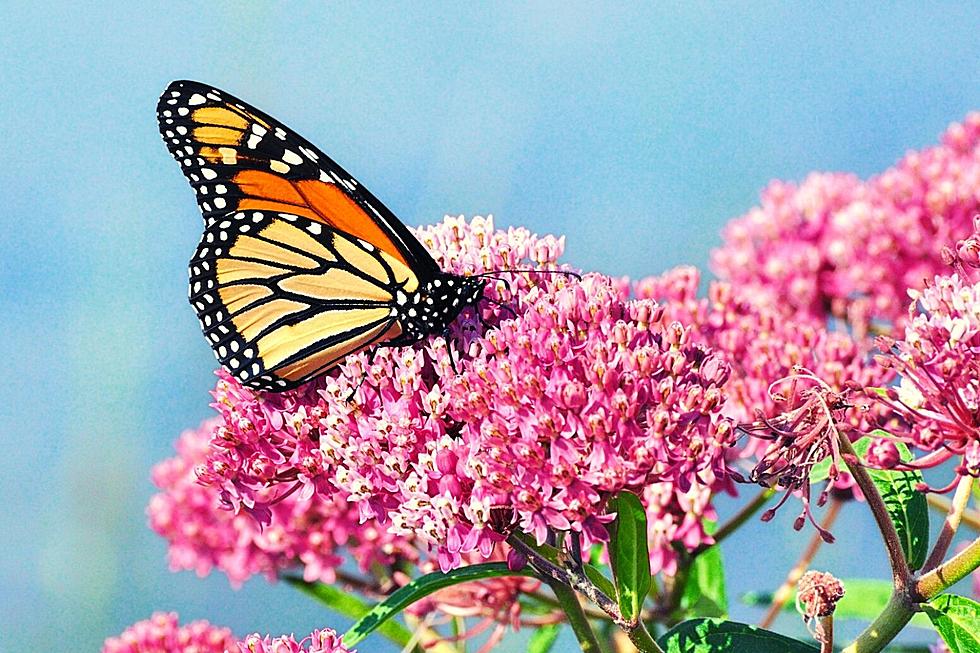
222, 117
315, 200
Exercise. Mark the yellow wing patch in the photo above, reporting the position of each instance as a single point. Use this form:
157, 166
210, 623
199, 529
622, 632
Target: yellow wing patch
286, 341
263, 250
288, 234
324, 359
335, 284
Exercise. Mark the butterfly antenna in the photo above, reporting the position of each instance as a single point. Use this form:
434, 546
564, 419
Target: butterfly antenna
566, 273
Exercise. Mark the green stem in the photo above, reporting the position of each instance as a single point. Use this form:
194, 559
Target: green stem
576, 616
885, 627
960, 499
901, 576
948, 573
642, 639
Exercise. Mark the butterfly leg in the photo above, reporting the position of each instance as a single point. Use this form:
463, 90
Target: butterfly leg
364, 372
449, 349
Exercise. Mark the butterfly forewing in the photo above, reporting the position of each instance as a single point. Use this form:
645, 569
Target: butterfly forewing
238, 158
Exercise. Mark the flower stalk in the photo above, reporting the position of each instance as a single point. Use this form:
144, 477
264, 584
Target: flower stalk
960, 500
901, 575
575, 614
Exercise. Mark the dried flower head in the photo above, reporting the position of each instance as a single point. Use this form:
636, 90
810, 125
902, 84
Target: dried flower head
817, 594
804, 434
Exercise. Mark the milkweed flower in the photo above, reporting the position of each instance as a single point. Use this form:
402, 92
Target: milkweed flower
837, 245
554, 395
320, 641
162, 633
313, 534
763, 342
938, 360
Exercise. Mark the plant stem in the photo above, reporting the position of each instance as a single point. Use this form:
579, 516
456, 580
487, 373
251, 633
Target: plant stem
739, 518
591, 613
970, 517
785, 590
901, 576
569, 578
576, 617
886, 626
948, 573
960, 499
826, 632
642, 639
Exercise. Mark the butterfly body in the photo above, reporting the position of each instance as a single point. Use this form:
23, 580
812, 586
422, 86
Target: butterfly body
299, 265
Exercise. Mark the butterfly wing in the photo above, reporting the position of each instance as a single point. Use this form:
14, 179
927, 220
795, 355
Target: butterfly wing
239, 159
283, 298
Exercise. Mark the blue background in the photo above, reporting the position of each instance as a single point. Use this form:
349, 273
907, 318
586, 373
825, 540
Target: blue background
638, 132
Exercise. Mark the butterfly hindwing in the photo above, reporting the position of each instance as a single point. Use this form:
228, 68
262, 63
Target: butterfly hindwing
282, 298
238, 158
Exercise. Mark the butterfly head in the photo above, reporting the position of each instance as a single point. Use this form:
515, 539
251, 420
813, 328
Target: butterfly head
434, 306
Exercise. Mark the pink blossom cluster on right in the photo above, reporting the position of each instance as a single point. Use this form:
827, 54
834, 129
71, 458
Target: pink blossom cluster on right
836, 245
938, 397
762, 342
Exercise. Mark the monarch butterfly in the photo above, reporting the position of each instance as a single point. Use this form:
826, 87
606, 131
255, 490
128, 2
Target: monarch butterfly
299, 265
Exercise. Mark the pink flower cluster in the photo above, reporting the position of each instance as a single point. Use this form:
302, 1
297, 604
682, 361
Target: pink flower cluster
849, 248
939, 363
566, 394
304, 531
162, 633
764, 342
320, 641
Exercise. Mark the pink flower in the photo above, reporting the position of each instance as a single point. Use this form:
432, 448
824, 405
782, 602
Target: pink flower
162, 634
320, 641
567, 394
762, 342
307, 533
938, 360
834, 245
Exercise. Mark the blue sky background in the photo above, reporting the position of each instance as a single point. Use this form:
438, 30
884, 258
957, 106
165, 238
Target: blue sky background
637, 132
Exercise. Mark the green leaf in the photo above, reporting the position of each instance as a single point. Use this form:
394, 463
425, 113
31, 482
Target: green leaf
543, 638
349, 605
704, 592
419, 589
907, 507
958, 621
720, 636
628, 553
864, 599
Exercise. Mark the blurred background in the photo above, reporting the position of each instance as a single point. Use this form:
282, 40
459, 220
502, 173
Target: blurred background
637, 132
